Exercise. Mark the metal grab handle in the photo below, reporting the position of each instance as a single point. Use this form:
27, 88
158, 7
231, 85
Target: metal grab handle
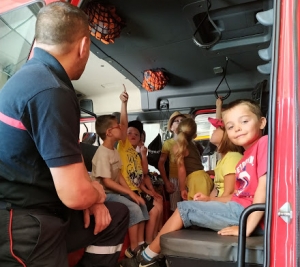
242, 231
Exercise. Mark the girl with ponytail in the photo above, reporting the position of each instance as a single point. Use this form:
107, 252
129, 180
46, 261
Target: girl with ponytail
191, 174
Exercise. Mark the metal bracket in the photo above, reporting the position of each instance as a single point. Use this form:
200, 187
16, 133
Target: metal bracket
285, 212
164, 104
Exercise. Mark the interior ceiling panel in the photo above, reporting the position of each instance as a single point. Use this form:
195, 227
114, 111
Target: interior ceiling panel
158, 34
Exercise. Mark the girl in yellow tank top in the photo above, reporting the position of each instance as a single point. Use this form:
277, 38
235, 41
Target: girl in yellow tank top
224, 172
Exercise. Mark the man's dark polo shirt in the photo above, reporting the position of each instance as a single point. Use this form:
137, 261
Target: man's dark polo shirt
39, 129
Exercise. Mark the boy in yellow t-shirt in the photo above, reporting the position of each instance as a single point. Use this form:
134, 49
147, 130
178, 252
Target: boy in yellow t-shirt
132, 169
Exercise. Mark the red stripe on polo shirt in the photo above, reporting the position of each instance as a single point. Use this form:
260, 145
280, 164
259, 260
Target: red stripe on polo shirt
12, 122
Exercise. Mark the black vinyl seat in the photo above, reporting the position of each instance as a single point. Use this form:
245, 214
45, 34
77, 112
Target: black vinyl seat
88, 151
203, 247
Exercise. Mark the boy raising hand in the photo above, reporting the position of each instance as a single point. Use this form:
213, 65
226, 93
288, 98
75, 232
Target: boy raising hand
134, 173
107, 170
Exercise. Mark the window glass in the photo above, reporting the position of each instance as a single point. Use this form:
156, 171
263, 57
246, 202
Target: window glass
151, 130
204, 128
17, 29
204, 131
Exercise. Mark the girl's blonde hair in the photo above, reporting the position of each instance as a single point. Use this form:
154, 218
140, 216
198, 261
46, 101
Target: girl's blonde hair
227, 146
187, 131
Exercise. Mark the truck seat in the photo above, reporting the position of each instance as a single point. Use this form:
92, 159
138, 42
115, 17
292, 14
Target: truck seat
203, 247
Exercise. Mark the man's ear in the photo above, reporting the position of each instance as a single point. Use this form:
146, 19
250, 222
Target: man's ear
263, 122
84, 46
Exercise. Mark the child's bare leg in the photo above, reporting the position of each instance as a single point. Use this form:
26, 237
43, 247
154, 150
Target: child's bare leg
155, 229
141, 232
159, 206
174, 223
133, 236
160, 221
150, 225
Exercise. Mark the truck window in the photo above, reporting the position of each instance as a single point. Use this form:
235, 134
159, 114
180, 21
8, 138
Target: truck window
16, 39
204, 131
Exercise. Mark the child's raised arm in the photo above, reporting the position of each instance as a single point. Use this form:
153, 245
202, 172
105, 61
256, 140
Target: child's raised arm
219, 103
124, 117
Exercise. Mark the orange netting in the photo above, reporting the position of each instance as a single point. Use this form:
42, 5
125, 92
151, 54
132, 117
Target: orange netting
155, 80
104, 23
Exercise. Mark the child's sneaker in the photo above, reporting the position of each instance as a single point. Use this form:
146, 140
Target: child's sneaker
132, 253
129, 262
129, 253
139, 261
144, 246
144, 263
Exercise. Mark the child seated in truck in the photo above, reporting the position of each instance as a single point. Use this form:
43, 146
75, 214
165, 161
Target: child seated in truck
106, 168
230, 155
191, 174
244, 123
132, 170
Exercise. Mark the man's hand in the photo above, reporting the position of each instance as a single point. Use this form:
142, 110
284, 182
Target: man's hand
232, 230
99, 188
170, 187
101, 214
201, 197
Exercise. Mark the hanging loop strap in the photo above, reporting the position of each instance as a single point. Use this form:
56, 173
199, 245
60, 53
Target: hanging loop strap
223, 78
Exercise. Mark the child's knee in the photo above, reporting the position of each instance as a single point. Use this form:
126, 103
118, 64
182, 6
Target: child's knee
157, 202
155, 212
136, 212
158, 205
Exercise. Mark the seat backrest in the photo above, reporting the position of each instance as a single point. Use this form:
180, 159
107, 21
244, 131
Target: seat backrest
88, 151
260, 94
